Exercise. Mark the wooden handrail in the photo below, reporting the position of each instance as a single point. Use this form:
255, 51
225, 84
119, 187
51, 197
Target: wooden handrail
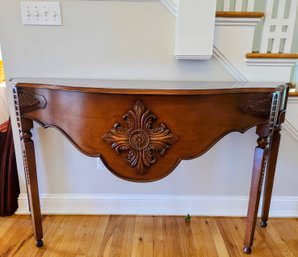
271, 55
232, 14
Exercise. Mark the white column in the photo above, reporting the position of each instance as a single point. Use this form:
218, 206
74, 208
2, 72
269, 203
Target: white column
195, 24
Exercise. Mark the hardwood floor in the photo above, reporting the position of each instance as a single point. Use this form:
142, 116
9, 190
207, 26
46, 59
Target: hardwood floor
144, 236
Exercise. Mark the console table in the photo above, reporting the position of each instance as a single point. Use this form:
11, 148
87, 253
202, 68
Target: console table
141, 135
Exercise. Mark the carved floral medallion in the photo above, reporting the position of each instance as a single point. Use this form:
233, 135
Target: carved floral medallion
138, 140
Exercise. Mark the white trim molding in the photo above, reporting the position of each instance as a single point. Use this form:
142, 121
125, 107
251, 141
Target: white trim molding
281, 206
290, 128
271, 62
293, 100
227, 21
195, 25
171, 6
193, 57
218, 55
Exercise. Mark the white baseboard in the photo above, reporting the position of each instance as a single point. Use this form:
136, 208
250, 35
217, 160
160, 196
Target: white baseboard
155, 205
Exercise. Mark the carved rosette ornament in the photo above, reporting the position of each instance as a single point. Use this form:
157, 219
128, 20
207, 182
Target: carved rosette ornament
139, 139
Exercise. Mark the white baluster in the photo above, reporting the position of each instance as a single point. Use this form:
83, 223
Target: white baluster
238, 5
266, 29
273, 27
291, 25
250, 5
280, 18
227, 4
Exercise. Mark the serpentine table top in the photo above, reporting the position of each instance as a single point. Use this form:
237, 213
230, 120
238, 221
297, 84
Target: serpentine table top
142, 129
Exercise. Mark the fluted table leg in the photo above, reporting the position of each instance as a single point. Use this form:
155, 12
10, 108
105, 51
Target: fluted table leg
269, 179
31, 178
259, 165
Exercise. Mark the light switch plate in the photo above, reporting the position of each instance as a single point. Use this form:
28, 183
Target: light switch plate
41, 13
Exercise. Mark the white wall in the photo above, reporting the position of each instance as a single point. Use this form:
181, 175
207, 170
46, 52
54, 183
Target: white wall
99, 39
129, 40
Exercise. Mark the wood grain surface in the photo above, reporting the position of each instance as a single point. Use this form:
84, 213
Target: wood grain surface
185, 123
232, 14
145, 236
272, 55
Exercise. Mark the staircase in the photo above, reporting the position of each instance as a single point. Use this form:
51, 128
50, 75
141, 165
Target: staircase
272, 57
262, 41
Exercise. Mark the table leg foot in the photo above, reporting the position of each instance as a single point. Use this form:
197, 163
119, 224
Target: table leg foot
263, 223
247, 250
39, 243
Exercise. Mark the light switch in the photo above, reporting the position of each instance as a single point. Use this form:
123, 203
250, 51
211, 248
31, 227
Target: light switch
41, 13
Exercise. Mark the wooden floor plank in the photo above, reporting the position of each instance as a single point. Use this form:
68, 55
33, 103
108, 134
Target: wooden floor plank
172, 245
6, 224
185, 238
25, 248
199, 244
118, 238
129, 235
237, 228
73, 236
148, 236
14, 235
217, 238
145, 236
96, 244
232, 243
58, 243
288, 234
107, 239
138, 242
87, 230
158, 237
273, 242
207, 237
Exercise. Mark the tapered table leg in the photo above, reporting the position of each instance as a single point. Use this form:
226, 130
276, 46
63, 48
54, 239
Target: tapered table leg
269, 179
31, 178
255, 191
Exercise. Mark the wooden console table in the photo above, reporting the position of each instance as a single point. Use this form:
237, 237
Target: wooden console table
142, 134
